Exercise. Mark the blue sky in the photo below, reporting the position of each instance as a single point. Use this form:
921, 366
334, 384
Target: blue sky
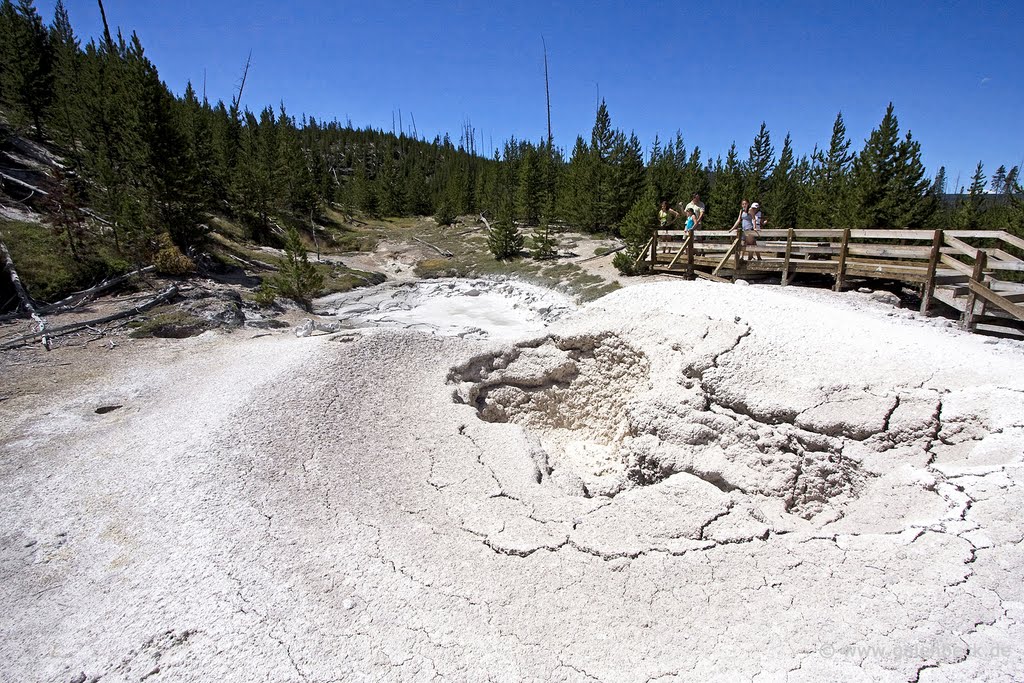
713, 70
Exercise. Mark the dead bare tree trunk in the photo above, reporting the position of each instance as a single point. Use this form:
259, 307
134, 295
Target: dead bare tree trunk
312, 224
26, 301
166, 295
547, 91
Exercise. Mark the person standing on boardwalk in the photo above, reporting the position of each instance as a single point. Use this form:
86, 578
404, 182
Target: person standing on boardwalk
745, 223
743, 219
757, 220
698, 210
666, 214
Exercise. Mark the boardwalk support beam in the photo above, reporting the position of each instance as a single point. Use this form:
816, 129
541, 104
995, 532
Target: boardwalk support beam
978, 276
933, 262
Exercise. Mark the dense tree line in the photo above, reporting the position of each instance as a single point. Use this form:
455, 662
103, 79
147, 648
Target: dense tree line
149, 161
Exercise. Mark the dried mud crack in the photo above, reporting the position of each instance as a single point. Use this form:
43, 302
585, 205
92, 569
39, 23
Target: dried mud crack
669, 485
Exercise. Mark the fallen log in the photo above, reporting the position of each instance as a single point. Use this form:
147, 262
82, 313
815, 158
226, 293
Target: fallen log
96, 216
164, 296
442, 252
252, 265
79, 297
25, 300
607, 253
22, 183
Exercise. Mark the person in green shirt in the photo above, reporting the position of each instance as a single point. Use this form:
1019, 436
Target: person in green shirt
666, 214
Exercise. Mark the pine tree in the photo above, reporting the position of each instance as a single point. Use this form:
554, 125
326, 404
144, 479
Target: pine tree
579, 193
363, 195
783, 197
693, 179
999, 180
65, 106
1010, 184
969, 212
664, 177
26, 79
726, 191
504, 239
628, 176
602, 144
297, 279
637, 227
889, 179
417, 193
830, 202
760, 163
391, 193
529, 200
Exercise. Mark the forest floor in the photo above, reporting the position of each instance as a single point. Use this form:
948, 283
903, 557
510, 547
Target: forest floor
672, 481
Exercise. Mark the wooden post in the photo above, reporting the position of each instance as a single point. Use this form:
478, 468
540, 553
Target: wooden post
933, 261
785, 262
738, 258
654, 250
841, 269
689, 259
980, 261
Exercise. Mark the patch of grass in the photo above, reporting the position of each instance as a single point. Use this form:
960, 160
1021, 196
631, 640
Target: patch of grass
171, 323
338, 278
46, 265
594, 293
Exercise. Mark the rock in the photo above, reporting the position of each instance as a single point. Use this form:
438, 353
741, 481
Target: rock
80, 678
884, 297
473, 292
219, 306
741, 283
268, 324
308, 326
864, 290
347, 603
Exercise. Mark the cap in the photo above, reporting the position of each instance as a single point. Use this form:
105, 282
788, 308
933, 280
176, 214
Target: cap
755, 205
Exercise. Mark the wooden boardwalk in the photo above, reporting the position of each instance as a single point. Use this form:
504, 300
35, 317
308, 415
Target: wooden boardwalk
975, 272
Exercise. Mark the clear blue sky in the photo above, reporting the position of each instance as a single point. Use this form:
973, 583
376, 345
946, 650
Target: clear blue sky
713, 70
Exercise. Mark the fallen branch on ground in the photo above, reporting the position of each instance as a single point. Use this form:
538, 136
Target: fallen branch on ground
22, 183
607, 253
442, 252
79, 297
164, 296
253, 264
98, 217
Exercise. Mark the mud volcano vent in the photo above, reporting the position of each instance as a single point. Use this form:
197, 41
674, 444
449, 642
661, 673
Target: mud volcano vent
611, 416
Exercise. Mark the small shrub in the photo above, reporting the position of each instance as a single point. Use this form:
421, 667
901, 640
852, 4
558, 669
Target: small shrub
542, 244
265, 295
505, 241
445, 213
169, 260
298, 279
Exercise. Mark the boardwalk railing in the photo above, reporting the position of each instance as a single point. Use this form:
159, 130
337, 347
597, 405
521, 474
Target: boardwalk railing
958, 267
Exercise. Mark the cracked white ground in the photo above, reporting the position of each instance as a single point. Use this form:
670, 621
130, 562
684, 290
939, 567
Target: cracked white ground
683, 481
